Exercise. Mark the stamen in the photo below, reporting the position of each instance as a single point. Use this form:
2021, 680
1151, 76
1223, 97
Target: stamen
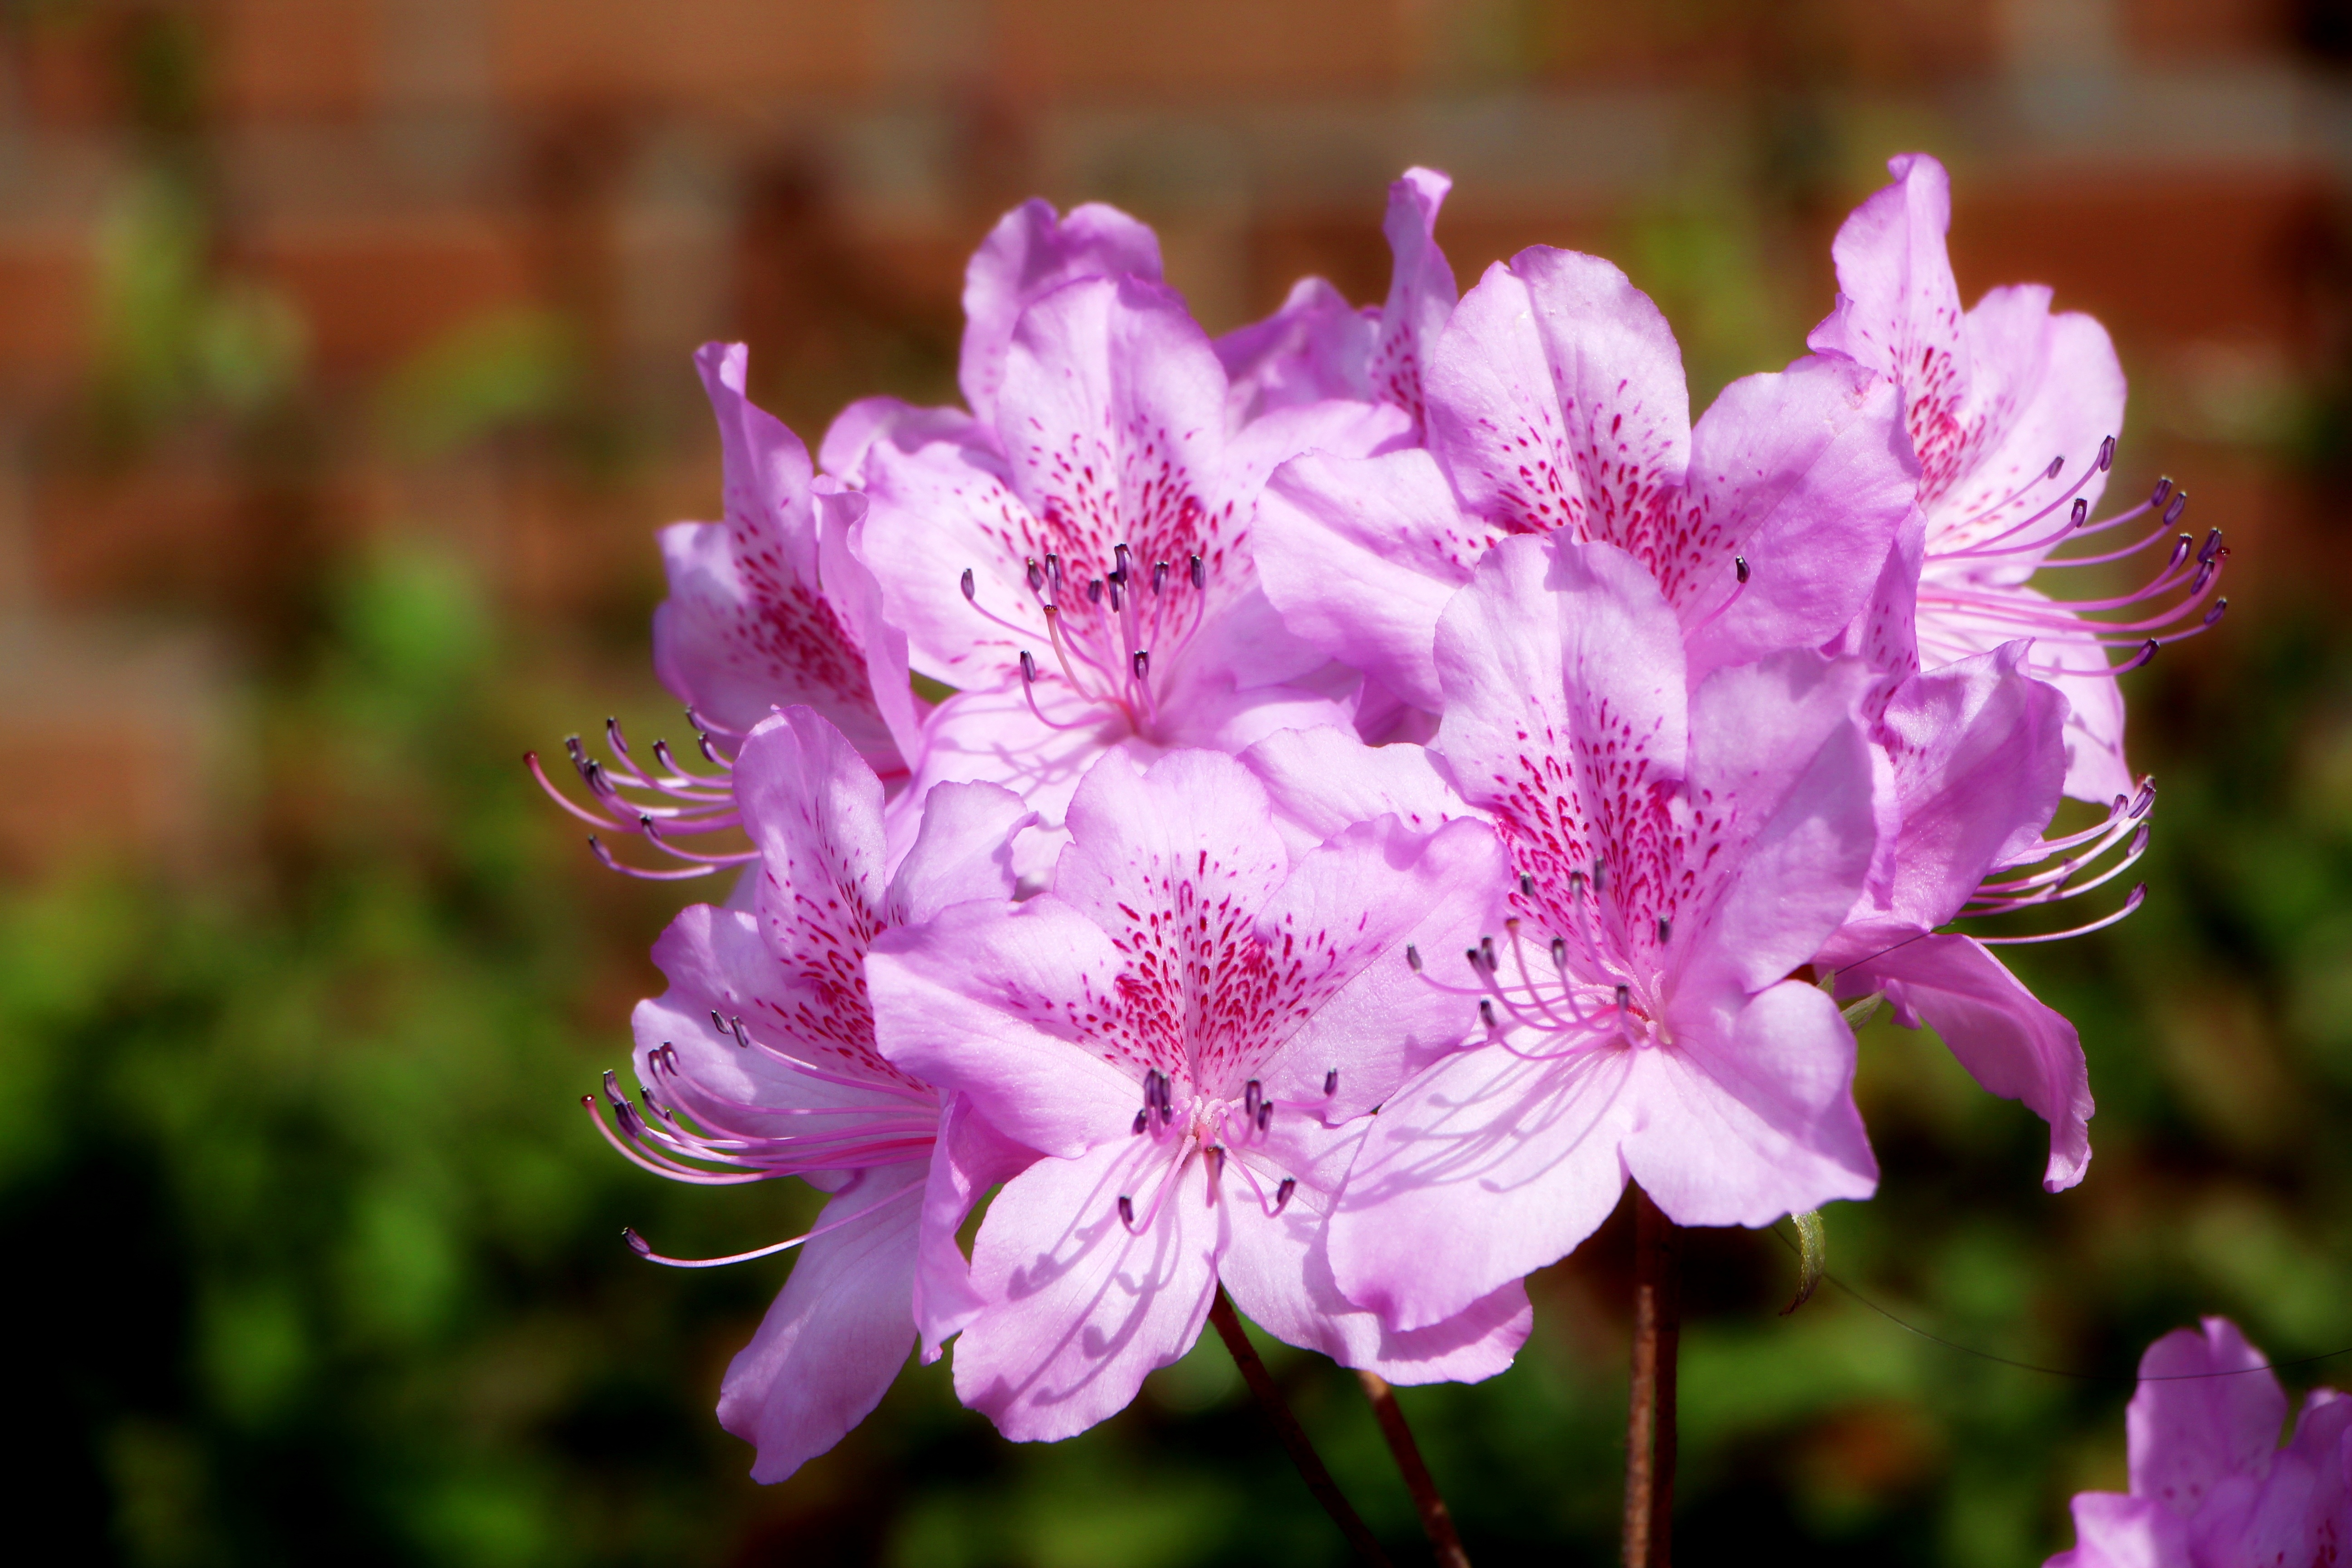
2106, 454
1526, 886
1739, 568
1282, 1191
1200, 572
1665, 931
2180, 504
1330, 1083
1036, 578
1127, 1211
1142, 1120
1159, 577
1412, 959
2082, 512
971, 588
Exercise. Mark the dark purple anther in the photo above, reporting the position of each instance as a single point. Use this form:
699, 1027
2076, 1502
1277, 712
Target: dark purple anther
1158, 578
1142, 1121
1665, 931
2082, 512
1118, 565
1127, 1211
2139, 838
2163, 489
1526, 886
2106, 454
2145, 799
1559, 952
1739, 568
1266, 1116
971, 588
1600, 875
613, 1089
1116, 600
1251, 1093
1142, 664
1330, 1083
742, 1039
1486, 1013
1413, 957
2211, 548
1576, 884
1037, 574
1624, 997
1486, 951
2056, 463
718, 1023
2180, 504
1478, 965
1214, 1156
1094, 591
1200, 572
2220, 607
638, 1244
1028, 667
2181, 549
1289, 1185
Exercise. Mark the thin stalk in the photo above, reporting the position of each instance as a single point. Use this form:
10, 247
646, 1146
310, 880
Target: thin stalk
1650, 1415
1293, 1436
1436, 1519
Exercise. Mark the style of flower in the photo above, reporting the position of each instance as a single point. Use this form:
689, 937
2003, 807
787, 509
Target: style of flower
758, 1061
1319, 346
1085, 579
2211, 1486
1556, 403
1192, 1027
1679, 853
2014, 413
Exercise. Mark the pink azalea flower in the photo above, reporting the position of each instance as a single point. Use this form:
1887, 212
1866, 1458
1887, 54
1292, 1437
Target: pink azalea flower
1555, 402
1680, 851
1085, 576
1977, 755
1192, 1026
2211, 1485
758, 1061
1319, 346
2013, 412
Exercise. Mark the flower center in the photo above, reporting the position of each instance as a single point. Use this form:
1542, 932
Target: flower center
1111, 639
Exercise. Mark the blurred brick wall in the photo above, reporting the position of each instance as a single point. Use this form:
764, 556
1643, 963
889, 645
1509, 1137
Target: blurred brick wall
588, 188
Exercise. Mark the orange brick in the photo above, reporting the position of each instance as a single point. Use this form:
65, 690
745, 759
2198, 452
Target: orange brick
681, 51
376, 291
313, 58
44, 314
1208, 48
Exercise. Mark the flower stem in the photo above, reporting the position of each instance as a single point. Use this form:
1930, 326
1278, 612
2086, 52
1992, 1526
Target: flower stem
1650, 1416
1436, 1521
1293, 1436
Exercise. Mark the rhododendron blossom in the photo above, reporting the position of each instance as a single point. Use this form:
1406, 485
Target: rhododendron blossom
2211, 1486
2013, 412
1679, 853
1192, 1026
1555, 402
1087, 578
760, 1062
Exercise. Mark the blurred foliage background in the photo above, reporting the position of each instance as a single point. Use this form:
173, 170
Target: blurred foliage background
320, 1257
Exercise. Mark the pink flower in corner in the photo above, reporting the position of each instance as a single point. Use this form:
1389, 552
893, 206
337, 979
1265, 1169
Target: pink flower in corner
1192, 1026
758, 1061
2015, 412
1680, 852
1555, 402
2211, 1485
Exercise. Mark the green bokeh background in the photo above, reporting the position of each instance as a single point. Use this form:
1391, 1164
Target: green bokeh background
317, 1259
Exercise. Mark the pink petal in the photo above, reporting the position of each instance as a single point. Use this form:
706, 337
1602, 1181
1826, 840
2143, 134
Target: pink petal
1013, 1006
2096, 768
2112, 1530
1555, 398
749, 623
2190, 1434
1361, 556
1562, 671
1742, 1126
1806, 475
1193, 834
933, 513
1483, 1169
839, 1332
814, 810
1422, 291
1279, 1275
970, 1158
1080, 1309
964, 851
1030, 253
872, 421
2010, 1042
1315, 346
1324, 780
2043, 387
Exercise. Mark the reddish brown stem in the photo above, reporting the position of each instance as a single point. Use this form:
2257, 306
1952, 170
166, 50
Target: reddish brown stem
1293, 1436
1436, 1519
1650, 1413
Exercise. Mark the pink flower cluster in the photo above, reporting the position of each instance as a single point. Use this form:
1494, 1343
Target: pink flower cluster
2211, 1485
1400, 779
